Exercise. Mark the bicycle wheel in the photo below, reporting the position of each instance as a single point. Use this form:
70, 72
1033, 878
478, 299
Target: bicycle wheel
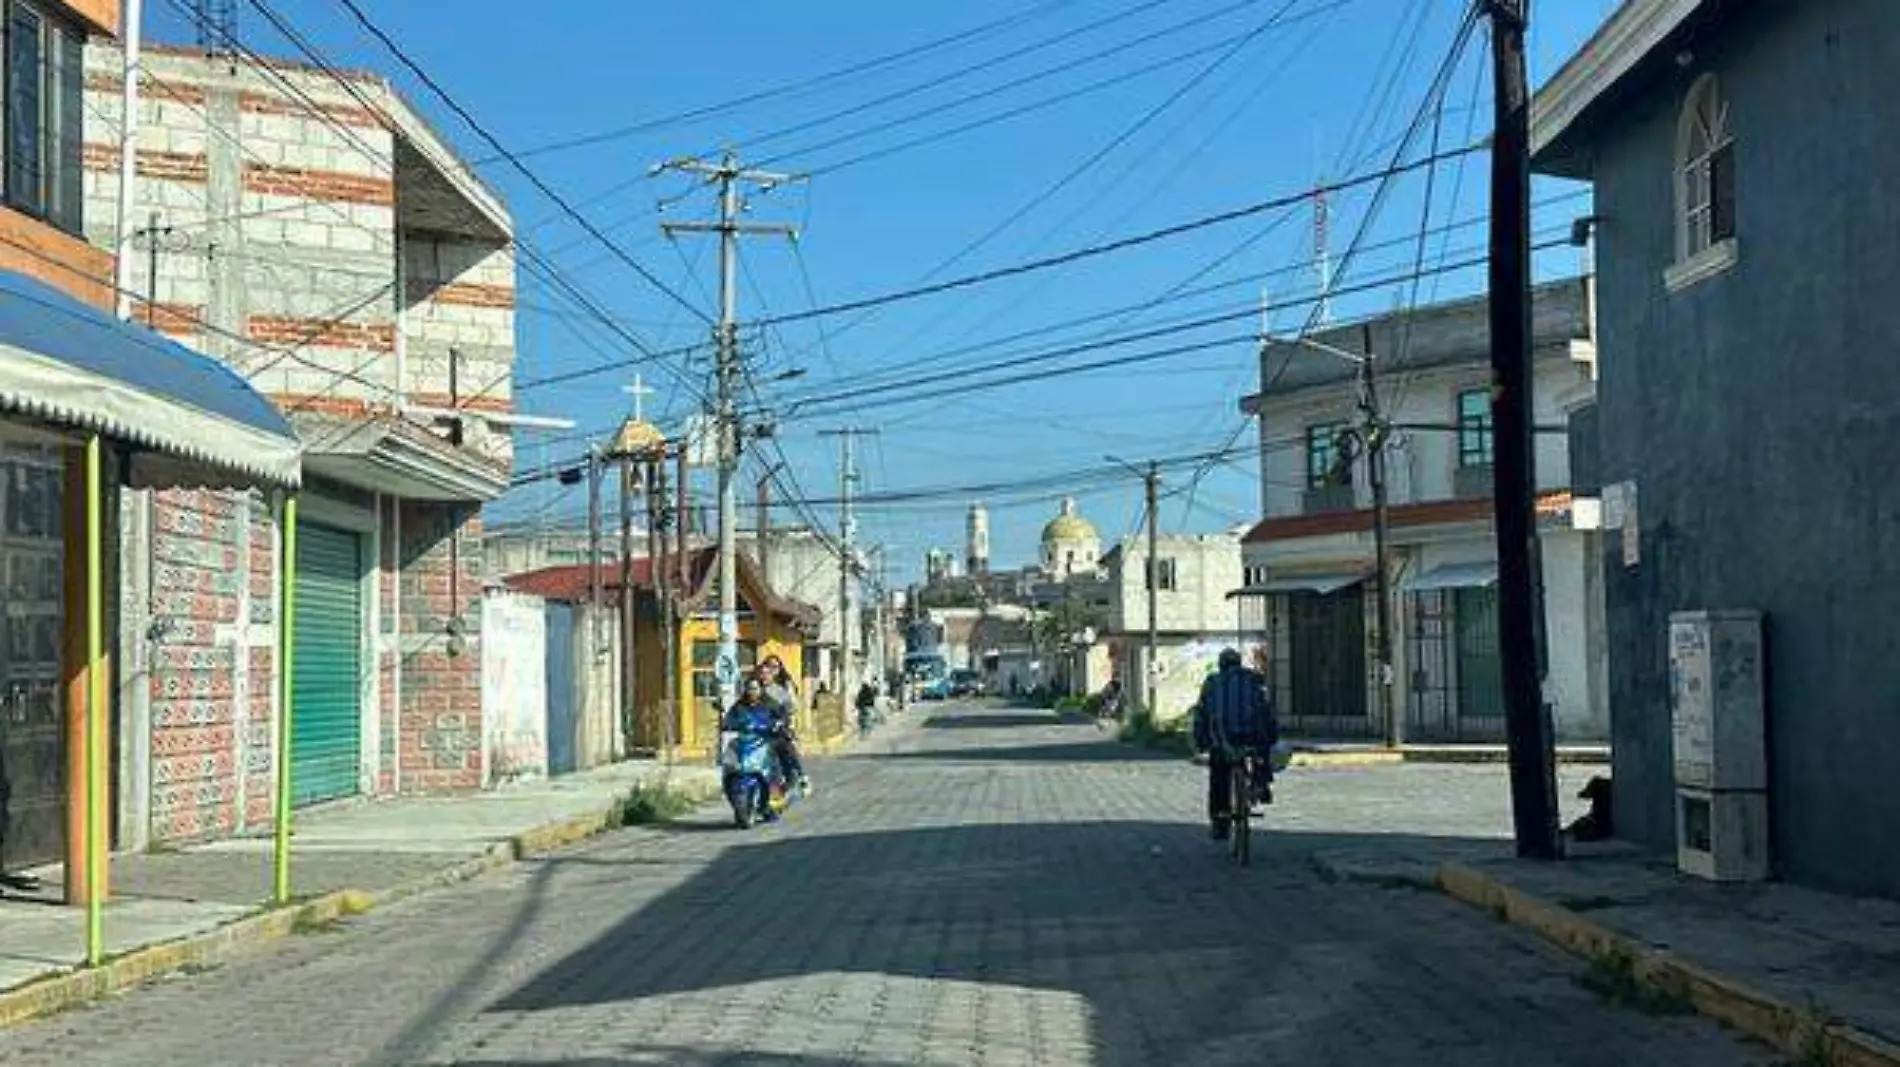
1241, 822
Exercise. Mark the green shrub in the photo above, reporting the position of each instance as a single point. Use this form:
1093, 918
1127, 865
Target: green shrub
646, 804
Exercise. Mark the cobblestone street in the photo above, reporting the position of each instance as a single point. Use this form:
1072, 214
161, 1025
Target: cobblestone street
974, 886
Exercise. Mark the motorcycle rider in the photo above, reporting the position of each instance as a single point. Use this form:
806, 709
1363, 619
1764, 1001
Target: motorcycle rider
755, 716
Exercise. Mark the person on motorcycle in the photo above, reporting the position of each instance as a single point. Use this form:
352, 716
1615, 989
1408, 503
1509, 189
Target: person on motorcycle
1234, 719
753, 716
867, 706
776, 684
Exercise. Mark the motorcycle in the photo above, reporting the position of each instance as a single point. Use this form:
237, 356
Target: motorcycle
754, 784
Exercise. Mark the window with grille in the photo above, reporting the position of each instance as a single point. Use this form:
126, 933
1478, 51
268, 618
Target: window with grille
1474, 428
1323, 466
41, 149
1706, 169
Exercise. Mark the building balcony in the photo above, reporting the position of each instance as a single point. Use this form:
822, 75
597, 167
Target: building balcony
1326, 498
1472, 483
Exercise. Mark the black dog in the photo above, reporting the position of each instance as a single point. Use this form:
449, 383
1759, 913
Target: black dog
1600, 823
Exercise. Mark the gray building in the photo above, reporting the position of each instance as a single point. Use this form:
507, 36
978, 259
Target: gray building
1740, 153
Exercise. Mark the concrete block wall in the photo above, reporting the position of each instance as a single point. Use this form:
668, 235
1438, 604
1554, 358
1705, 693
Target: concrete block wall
1206, 569
440, 734
460, 295
211, 716
279, 222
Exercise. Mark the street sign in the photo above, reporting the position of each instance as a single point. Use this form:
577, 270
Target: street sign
726, 669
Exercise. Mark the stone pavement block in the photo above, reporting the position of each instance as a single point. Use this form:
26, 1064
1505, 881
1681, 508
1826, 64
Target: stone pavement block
970, 892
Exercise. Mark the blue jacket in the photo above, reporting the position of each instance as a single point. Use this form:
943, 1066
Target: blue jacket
1235, 711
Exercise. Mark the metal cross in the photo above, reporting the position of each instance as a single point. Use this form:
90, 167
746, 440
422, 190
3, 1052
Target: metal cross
639, 390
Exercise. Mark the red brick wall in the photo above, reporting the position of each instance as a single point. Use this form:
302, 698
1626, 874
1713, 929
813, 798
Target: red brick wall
441, 730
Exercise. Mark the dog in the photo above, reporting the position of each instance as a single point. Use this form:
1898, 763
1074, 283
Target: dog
1599, 824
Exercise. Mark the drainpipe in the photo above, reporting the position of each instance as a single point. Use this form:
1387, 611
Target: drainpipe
128, 158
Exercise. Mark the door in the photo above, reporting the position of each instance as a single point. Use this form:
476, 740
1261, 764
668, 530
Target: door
1328, 645
563, 699
1480, 670
326, 731
32, 704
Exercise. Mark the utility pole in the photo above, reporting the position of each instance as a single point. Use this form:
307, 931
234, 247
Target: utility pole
847, 544
1527, 720
727, 175
593, 545
1151, 487
663, 583
626, 588
1376, 435
1370, 438
765, 521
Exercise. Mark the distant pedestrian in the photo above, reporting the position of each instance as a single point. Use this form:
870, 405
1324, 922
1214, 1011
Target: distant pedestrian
867, 706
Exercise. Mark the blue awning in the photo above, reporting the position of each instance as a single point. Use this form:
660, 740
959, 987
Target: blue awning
66, 363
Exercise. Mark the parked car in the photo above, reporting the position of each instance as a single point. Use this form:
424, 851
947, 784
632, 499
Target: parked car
937, 688
966, 683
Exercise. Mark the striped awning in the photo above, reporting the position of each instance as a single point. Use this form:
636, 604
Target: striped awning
67, 364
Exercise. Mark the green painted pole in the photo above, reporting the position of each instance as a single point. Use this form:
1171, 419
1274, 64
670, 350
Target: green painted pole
96, 858
286, 703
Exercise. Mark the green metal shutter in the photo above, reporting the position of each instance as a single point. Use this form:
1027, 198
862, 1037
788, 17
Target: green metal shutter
325, 735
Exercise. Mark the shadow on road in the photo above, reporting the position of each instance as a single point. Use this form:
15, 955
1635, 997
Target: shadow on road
1117, 916
1057, 753
995, 720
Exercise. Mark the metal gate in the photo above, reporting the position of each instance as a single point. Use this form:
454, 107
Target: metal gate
32, 719
1326, 665
326, 731
1480, 670
1431, 706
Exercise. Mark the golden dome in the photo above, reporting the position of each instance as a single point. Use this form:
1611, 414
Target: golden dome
1068, 526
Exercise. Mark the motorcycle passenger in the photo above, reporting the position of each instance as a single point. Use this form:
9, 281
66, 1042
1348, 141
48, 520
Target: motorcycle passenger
776, 684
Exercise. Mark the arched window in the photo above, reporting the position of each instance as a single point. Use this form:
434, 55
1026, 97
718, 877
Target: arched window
1705, 171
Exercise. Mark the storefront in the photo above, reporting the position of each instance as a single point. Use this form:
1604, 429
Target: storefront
89, 404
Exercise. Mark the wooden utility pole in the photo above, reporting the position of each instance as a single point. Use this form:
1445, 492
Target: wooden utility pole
1533, 774
627, 709
1151, 486
1377, 436
593, 547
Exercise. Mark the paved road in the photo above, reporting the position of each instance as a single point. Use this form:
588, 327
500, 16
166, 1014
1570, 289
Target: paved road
979, 887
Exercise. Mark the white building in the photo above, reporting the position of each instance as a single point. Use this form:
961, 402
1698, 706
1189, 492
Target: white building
1309, 560
1194, 616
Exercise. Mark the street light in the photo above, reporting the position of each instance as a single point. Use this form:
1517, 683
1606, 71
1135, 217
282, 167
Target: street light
1371, 438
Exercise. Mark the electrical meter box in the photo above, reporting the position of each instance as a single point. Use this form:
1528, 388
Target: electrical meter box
1718, 717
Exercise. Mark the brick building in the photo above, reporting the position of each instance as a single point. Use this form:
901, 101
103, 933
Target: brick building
315, 235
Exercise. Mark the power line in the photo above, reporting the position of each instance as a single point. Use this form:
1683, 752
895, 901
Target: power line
1122, 245
779, 92
986, 120
1018, 82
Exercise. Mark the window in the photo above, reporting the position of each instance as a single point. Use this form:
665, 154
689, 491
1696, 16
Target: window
1474, 428
1167, 579
1705, 160
44, 64
1254, 574
1324, 464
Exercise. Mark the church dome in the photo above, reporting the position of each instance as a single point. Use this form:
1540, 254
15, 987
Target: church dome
1068, 526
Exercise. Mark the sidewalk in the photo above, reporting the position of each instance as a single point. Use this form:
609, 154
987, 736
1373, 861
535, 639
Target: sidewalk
1814, 974
1362, 753
171, 910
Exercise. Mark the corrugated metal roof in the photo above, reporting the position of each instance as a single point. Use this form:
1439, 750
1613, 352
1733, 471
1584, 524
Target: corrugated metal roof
65, 362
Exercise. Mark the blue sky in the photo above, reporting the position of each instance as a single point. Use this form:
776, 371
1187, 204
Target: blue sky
1154, 113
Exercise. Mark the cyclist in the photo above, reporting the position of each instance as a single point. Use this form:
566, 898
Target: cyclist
1234, 719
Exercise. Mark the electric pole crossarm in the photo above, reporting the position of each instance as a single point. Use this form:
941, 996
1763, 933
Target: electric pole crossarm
746, 229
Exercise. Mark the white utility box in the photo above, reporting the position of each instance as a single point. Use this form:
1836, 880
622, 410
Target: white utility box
1718, 715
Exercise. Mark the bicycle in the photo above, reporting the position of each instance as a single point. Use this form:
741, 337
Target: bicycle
1240, 811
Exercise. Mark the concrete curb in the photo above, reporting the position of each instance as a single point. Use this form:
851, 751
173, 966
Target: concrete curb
1432, 754
1802, 1032
60, 992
